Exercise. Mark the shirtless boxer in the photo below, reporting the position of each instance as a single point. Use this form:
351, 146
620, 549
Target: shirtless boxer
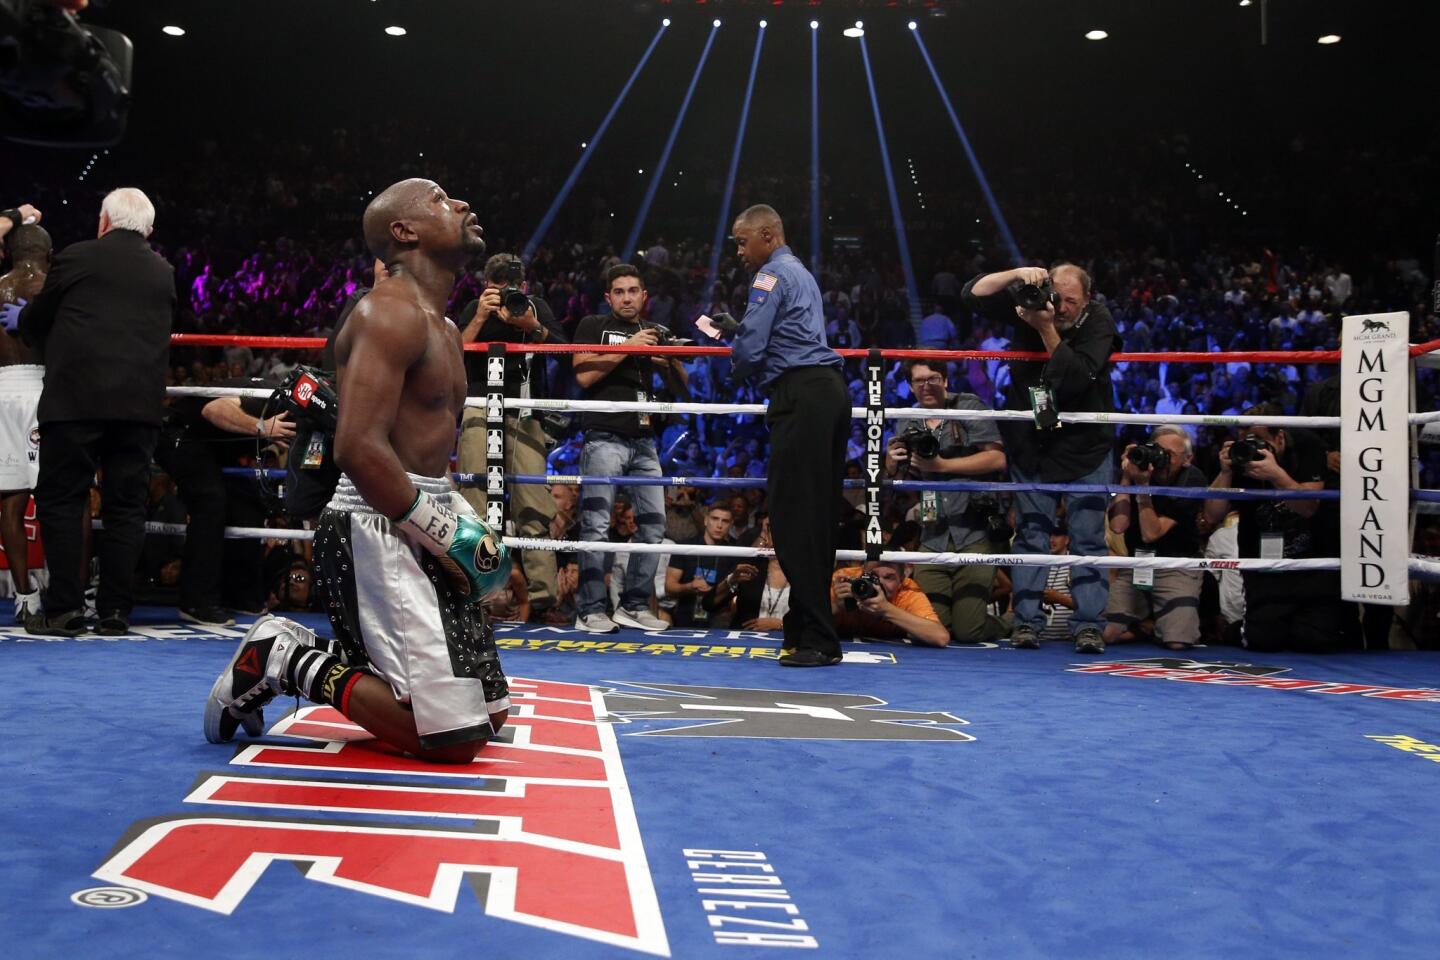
403, 562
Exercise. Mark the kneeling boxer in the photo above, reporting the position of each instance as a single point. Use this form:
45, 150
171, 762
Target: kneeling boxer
402, 560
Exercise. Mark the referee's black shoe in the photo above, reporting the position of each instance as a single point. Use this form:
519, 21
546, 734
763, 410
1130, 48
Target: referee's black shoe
807, 657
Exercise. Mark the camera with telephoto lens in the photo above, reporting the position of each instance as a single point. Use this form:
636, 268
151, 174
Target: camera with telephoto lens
1248, 450
1034, 296
984, 512
863, 587
512, 295
919, 442
1148, 456
664, 338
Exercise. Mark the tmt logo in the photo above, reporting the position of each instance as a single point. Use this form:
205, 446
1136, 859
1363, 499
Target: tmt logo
544, 814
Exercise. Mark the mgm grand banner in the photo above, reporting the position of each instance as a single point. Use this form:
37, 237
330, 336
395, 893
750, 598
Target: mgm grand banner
1375, 458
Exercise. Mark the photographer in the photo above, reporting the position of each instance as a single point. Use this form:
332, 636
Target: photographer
620, 444
953, 521
1157, 526
505, 313
1298, 611
881, 601
1057, 318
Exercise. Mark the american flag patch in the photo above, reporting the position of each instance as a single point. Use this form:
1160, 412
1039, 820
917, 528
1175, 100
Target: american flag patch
763, 281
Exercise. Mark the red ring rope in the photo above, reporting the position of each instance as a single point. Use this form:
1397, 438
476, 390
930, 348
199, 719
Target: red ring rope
1238, 356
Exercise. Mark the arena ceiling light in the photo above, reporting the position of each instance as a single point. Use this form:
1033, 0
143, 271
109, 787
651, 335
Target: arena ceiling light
1245, 3
814, 24
913, 25
171, 31
396, 31
1096, 35
857, 31
1328, 39
665, 22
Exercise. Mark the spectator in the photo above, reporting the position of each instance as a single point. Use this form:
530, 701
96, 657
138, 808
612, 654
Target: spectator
704, 586
937, 332
762, 602
1057, 604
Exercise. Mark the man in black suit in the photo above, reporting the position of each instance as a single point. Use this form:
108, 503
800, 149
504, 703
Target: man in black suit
102, 323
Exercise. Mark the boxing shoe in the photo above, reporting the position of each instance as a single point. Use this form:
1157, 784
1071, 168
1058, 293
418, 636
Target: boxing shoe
258, 671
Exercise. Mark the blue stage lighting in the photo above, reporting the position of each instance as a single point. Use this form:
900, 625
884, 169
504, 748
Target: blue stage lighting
589, 147
814, 150
644, 211
911, 289
724, 221
990, 200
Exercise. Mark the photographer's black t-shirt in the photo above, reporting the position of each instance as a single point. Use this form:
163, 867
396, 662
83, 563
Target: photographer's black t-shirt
1183, 540
519, 367
628, 380
1304, 460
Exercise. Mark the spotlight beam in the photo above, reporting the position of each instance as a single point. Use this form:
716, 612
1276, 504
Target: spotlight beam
629, 249
904, 243
549, 219
814, 152
722, 223
990, 200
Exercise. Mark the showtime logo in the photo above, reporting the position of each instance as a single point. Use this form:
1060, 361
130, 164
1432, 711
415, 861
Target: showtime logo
546, 816
304, 391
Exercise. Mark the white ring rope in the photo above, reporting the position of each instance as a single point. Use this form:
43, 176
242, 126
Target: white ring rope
1427, 568
857, 413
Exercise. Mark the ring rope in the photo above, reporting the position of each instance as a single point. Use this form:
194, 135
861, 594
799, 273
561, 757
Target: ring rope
1425, 567
955, 486
1236, 356
857, 413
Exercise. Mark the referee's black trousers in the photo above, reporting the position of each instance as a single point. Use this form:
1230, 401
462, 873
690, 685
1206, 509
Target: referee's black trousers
70, 453
809, 420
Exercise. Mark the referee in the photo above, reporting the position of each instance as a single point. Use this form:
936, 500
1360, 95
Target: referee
781, 342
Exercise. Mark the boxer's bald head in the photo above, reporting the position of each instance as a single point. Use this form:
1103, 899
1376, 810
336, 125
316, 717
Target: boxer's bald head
416, 215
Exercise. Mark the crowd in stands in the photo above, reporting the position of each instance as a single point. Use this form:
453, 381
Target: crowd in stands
264, 241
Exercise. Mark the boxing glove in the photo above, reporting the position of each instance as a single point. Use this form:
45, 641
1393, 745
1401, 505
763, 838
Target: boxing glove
472, 556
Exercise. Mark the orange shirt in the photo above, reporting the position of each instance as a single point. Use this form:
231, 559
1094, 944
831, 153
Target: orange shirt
858, 623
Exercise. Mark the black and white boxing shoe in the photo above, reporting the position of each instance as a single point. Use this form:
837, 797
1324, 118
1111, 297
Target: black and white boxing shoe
255, 674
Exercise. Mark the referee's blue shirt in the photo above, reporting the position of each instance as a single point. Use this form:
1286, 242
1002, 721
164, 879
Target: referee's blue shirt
784, 324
